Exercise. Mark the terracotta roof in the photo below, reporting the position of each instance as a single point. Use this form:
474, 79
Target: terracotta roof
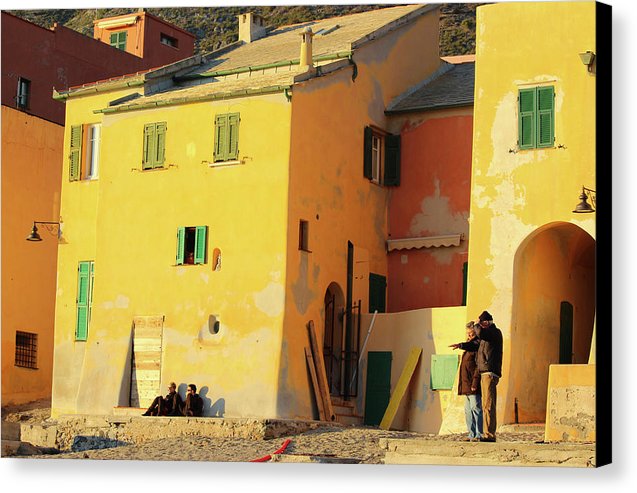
452, 85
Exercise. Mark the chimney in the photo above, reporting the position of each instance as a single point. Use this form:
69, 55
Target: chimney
305, 63
251, 27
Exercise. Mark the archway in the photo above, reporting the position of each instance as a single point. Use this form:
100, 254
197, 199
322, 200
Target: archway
552, 314
333, 340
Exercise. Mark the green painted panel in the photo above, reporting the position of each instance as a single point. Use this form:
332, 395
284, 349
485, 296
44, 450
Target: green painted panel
377, 292
546, 116
181, 245
200, 244
76, 152
233, 136
378, 386
149, 145
392, 160
160, 147
221, 134
526, 118
443, 371
83, 296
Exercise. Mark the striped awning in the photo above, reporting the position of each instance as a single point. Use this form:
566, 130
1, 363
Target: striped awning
425, 242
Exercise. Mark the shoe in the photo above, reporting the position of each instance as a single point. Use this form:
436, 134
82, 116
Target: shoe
466, 439
146, 414
476, 439
487, 439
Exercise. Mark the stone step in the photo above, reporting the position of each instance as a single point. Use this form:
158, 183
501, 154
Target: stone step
128, 411
10, 430
436, 452
522, 428
349, 420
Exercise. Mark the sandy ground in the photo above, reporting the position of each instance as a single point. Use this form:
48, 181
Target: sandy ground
359, 443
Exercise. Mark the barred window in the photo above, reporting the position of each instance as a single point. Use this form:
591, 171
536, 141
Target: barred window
26, 349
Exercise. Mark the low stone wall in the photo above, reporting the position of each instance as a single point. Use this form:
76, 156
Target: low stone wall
84, 432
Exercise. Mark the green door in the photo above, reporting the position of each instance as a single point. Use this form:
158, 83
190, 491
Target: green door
378, 386
566, 333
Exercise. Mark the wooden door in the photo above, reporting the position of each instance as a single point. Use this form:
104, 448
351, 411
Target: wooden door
146, 364
378, 386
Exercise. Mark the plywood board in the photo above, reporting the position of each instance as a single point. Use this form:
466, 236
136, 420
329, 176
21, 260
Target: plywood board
315, 385
321, 374
401, 387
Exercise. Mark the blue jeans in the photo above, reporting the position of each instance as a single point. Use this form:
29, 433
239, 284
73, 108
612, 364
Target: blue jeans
473, 415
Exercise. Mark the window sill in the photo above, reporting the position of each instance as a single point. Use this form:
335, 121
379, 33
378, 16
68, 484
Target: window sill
159, 168
221, 164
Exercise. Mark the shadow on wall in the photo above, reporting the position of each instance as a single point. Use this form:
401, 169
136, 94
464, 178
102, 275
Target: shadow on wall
125, 384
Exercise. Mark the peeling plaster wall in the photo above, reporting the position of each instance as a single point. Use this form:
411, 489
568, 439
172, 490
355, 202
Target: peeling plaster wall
31, 155
328, 189
432, 199
515, 192
127, 220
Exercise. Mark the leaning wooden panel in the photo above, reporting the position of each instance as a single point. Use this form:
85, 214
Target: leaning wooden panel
146, 362
321, 374
401, 387
315, 385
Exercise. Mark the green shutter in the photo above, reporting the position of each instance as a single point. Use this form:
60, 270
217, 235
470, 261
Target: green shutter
160, 150
377, 288
221, 145
377, 386
83, 297
233, 136
526, 118
443, 371
149, 145
200, 244
392, 161
114, 37
75, 156
367, 153
181, 244
545, 119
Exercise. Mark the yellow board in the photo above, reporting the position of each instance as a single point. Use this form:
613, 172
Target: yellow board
401, 387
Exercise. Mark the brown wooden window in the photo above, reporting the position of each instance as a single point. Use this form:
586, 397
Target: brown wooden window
26, 349
304, 232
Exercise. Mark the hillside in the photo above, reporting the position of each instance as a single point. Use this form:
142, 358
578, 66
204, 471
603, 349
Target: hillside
217, 26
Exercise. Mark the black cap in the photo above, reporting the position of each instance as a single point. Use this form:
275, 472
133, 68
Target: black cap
485, 315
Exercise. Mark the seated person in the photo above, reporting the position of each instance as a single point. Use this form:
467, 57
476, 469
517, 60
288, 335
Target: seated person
194, 404
166, 406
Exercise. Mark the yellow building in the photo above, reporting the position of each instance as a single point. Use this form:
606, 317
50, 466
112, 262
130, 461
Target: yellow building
215, 206
532, 260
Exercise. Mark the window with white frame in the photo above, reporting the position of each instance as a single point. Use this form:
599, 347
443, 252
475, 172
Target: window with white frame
377, 149
93, 150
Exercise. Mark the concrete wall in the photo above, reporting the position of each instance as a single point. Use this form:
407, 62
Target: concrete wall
570, 410
31, 169
517, 193
329, 190
432, 199
127, 220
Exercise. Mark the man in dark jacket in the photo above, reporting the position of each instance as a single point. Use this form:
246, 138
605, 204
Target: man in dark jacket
489, 361
469, 384
194, 404
166, 406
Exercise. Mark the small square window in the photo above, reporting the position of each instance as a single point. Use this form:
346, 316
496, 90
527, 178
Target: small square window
191, 245
26, 350
304, 233
24, 92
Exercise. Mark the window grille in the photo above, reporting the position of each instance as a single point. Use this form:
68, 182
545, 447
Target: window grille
26, 349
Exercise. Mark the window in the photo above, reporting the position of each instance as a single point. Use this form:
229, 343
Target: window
377, 289
536, 117
84, 301
154, 145
26, 350
168, 40
381, 157
84, 165
226, 137
191, 245
24, 90
304, 230
118, 40
443, 371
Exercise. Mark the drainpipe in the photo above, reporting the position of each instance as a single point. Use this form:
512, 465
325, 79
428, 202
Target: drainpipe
305, 60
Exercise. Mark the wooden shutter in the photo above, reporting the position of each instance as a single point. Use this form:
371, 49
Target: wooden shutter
443, 371
114, 40
526, 118
181, 244
377, 288
545, 116
121, 42
160, 150
149, 145
392, 160
378, 386
200, 244
75, 156
367, 153
233, 136
221, 135
82, 302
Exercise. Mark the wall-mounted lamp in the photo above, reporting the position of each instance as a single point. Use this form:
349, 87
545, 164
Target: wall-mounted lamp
50, 227
584, 206
588, 57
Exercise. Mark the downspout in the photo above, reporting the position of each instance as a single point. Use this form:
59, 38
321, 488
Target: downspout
350, 58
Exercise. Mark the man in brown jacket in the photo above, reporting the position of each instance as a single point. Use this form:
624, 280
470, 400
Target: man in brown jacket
165, 406
194, 404
469, 384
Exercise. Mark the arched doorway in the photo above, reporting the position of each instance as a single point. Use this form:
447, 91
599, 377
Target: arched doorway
553, 312
333, 341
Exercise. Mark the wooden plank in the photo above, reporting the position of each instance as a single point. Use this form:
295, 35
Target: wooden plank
401, 387
315, 385
321, 374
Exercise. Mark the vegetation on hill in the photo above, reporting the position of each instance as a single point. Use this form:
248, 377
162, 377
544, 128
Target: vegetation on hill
217, 26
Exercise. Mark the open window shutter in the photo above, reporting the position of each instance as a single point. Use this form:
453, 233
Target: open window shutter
76, 153
121, 42
83, 280
377, 289
200, 244
149, 145
91, 283
367, 153
392, 160
443, 371
221, 122
181, 244
114, 39
526, 118
233, 136
160, 151
546, 116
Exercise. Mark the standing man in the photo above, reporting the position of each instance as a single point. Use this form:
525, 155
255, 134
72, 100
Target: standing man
489, 362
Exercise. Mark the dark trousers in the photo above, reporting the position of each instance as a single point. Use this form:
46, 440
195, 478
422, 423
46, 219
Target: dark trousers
157, 408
